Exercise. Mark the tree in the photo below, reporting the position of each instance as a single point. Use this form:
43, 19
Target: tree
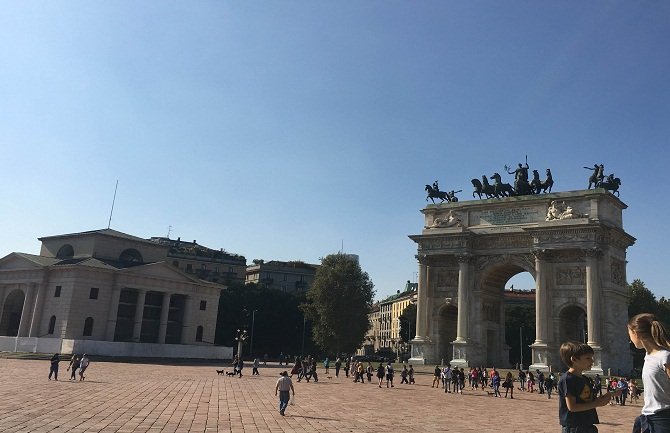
516, 317
338, 304
642, 300
408, 323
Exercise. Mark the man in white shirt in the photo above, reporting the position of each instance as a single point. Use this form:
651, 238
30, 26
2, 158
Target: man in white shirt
284, 385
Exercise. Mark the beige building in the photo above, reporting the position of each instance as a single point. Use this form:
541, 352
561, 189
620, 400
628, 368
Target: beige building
291, 277
106, 292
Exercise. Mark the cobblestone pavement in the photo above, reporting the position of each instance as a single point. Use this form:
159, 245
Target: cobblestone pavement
125, 398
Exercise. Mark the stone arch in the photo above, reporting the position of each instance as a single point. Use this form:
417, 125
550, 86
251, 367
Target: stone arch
131, 256
446, 329
11, 313
572, 323
491, 315
65, 252
198, 333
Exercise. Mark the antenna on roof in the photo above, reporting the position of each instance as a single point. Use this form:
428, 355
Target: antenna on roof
113, 200
169, 230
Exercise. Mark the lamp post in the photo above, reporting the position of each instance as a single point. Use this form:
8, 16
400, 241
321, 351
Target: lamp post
302, 348
521, 345
240, 338
251, 343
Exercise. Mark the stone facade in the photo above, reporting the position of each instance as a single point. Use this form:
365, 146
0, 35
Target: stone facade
105, 286
291, 277
572, 243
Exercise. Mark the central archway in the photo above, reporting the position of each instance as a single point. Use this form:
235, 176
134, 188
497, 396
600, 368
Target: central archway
448, 318
494, 311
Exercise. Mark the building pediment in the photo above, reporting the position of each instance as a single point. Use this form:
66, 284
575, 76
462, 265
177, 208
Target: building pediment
25, 261
162, 270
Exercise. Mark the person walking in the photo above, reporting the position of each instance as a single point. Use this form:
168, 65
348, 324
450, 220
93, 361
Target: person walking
284, 385
403, 375
74, 365
549, 384
448, 375
411, 375
338, 365
53, 367
254, 371
369, 371
84, 362
326, 364
509, 385
597, 386
437, 374
380, 374
389, 374
347, 366
648, 333
522, 380
495, 381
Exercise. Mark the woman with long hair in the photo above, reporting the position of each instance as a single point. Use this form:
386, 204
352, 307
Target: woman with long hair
648, 333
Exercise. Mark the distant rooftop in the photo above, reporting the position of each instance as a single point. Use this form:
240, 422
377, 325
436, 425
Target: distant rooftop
181, 248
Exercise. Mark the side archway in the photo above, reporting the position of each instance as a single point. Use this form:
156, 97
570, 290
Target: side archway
11, 313
446, 328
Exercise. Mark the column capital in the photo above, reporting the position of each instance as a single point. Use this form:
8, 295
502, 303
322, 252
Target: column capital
541, 254
594, 253
465, 258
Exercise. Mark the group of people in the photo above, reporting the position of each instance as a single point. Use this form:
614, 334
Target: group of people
77, 362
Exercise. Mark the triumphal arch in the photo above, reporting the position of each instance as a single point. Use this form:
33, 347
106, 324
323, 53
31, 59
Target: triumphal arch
572, 243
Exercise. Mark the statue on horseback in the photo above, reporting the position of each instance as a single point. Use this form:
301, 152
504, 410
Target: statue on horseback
611, 183
434, 192
597, 176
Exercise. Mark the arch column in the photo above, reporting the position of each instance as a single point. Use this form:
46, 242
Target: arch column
540, 346
593, 299
139, 315
165, 309
421, 344
460, 345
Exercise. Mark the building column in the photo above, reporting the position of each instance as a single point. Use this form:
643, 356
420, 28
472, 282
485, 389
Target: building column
186, 336
593, 296
139, 315
540, 347
112, 314
26, 316
37, 311
460, 345
165, 309
422, 298
463, 285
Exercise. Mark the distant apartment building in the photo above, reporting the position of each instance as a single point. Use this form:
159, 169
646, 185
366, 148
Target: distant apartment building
217, 266
384, 316
290, 277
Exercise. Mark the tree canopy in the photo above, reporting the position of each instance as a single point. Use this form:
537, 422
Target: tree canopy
338, 304
408, 323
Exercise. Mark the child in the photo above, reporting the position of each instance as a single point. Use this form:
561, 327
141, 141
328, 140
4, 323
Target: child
647, 333
577, 404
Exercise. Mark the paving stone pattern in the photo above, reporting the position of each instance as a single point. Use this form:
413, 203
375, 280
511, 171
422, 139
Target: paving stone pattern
125, 398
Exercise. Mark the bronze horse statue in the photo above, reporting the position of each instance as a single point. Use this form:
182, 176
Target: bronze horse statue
436, 193
482, 187
501, 189
548, 183
611, 184
538, 186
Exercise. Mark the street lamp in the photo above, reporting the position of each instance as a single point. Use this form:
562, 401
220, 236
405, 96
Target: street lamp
302, 348
251, 343
240, 338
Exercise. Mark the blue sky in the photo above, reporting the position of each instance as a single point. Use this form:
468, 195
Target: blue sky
280, 130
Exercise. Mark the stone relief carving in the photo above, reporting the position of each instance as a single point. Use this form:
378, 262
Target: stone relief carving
484, 262
570, 235
452, 219
567, 256
618, 272
570, 276
444, 243
447, 278
491, 312
491, 242
561, 211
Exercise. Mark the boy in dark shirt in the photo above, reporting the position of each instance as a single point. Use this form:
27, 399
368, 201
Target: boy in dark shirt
577, 403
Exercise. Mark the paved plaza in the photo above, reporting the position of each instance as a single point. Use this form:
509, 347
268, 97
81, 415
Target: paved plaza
125, 398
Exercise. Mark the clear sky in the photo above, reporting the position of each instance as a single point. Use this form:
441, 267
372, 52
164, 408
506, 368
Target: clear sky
282, 130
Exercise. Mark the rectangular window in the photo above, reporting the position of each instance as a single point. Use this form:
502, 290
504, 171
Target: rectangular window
230, 269
217, 269
285, 277
189, 268
203, 305
203, 266
94, 293
57, 292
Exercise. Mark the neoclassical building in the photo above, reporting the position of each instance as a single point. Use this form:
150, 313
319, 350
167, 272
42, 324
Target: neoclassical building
109, 293
572, 243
